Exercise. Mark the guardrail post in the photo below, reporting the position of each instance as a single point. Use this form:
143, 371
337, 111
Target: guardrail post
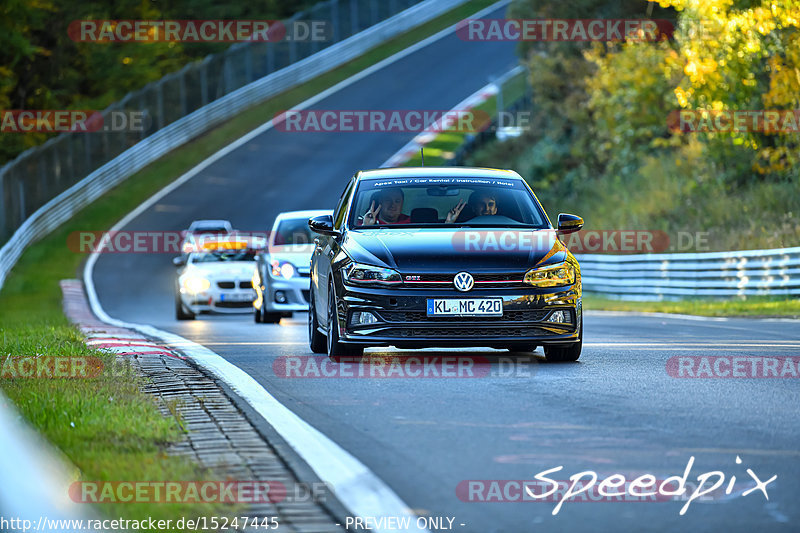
204, 83
270, 58
160, 103
335, 21
354, 27
87, 152
248, 63
373, 13
21, 193
3, 209
292, 52
183, 96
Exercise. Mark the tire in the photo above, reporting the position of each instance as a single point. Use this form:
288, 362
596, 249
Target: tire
257, 315
180, 311
270, 318
336, 348
567, 352
316, 340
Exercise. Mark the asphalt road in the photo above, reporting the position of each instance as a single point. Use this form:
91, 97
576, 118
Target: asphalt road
615, 411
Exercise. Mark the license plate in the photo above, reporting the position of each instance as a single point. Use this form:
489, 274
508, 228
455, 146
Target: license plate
236, 298
465, 307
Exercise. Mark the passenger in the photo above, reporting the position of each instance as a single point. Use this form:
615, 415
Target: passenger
389, 209
481, 203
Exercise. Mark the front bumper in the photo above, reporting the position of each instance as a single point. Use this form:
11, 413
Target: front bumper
215, 300
295, 291
403, 320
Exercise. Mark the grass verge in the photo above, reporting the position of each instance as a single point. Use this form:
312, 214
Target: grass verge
107, 427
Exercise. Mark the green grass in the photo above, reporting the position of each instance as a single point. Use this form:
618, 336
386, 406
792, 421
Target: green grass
751, 307
444, 146
106, 426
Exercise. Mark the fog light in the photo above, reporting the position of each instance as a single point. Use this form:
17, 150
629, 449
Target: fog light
559, 317
280, 297
362, 318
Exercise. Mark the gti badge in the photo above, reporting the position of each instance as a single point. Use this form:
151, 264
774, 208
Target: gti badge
463, 281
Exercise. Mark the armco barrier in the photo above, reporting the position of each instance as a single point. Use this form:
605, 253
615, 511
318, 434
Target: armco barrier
674, 276
60, 208
35, 479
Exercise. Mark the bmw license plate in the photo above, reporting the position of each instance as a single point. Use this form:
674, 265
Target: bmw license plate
236, 298
465, 307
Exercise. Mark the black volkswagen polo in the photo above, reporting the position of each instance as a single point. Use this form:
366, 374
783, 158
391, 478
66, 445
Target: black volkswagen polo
443, 257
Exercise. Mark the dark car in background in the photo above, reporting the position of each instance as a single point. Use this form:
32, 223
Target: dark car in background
443, 257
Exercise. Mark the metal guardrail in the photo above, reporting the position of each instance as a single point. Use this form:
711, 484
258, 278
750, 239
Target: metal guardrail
46, 185
673, 276
36, 479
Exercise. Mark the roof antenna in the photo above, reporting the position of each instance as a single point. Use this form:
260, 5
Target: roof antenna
422, 155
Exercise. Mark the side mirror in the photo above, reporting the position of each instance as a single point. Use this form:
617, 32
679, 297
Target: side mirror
178, 261
569, 223
323, 225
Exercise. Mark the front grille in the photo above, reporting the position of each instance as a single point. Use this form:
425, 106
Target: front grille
533, 315
470, 332
226, 284
482, 281
245, 284
234, 305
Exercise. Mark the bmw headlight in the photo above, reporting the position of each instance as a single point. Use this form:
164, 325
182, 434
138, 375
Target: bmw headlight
283, 269
196, 284
359, 274
551, 276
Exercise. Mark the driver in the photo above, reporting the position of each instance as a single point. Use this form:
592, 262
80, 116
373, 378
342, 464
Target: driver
389, 209
481, 203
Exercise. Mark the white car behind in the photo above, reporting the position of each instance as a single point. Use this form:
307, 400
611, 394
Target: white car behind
217, 278
283, 270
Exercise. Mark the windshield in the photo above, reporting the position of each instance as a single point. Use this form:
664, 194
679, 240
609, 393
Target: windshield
468, 202
293, 231
224, 256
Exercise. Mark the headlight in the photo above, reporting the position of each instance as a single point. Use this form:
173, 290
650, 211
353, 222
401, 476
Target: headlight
282, 269
551, 276
196, 284
359, 274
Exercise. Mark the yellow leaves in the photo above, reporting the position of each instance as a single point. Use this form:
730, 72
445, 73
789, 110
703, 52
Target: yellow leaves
683, 96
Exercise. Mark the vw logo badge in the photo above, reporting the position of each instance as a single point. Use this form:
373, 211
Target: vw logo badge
463, 281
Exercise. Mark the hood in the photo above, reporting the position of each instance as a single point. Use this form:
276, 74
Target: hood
452, 250
242, 270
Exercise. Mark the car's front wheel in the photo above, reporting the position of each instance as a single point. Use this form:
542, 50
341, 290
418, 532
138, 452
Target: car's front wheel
316, 340
180, 311
565, 352
335, 347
